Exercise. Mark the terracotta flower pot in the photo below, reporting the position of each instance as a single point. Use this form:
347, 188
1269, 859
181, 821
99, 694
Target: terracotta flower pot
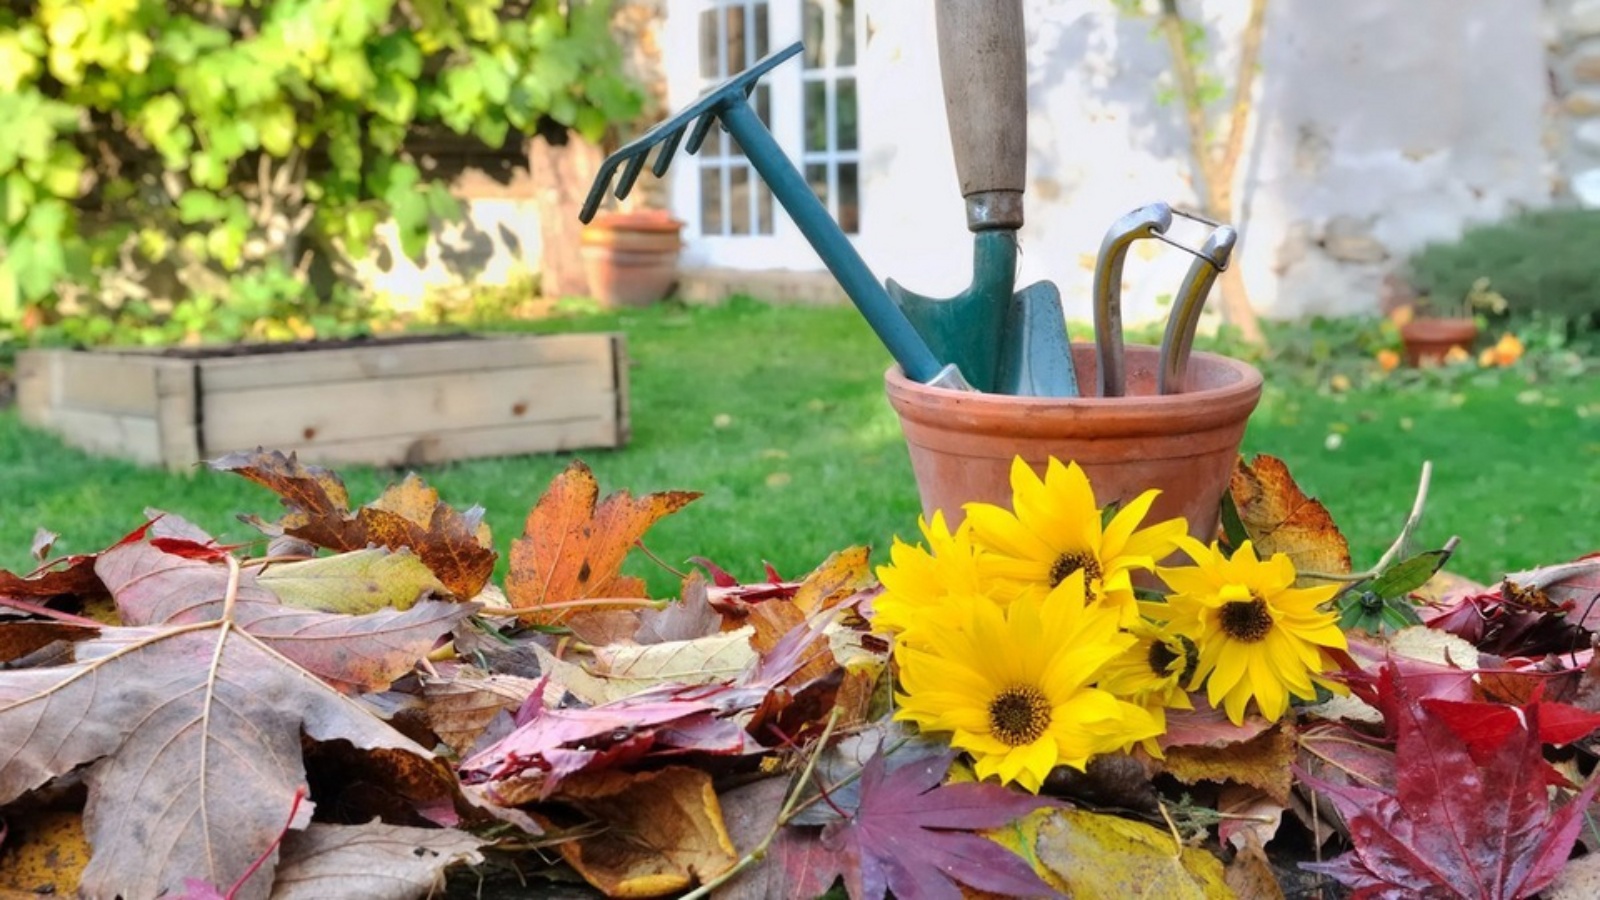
1427, 340
631, 259
1186, 445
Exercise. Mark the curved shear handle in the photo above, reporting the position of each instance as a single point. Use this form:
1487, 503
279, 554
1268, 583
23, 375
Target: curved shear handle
1145, 222
1185, 318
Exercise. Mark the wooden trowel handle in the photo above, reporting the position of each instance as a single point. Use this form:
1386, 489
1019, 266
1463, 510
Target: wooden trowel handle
983, 63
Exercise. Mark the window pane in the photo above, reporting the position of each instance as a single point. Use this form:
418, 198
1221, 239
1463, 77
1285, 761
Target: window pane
764, 213
813, 33
817, 177
761, 31
816, 115
846, 111
849, 198
764, 105
736, 60
708, 45
738, 200
847, 33
711, 200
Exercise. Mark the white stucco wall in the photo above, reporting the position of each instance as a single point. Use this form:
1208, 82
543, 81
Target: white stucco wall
1380, 126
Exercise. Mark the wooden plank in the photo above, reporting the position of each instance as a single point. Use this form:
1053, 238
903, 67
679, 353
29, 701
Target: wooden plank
108, 382
376, 361
432, 449
109, 434
395, 407
176, 410
35, 373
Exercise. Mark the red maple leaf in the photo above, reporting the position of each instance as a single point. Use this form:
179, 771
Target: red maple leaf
1469, 815
914, 836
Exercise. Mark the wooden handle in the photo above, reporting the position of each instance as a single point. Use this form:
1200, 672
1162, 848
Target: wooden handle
983, 63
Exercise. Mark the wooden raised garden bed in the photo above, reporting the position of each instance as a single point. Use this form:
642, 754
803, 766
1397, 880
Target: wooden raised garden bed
397, 401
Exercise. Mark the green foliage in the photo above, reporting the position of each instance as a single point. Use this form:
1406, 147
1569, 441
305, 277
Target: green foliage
237, 154
1544, 263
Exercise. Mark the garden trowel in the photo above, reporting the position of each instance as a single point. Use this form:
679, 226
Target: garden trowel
1003, 342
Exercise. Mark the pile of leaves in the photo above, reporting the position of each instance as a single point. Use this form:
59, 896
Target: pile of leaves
351, 707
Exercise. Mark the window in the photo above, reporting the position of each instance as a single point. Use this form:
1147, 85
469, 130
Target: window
733, 199
733, 35
832, 153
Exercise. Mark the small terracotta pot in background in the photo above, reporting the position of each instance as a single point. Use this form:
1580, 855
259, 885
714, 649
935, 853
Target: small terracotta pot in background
631, 259
1427, 340
1186, 445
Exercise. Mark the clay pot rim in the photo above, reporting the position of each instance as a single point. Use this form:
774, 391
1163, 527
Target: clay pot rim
640, 220
1132, 415
1439, 327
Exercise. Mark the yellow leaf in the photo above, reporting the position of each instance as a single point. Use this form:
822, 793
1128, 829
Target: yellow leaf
1099, 857
663, 831
1280, 518
631, 668
44, 854
355, 583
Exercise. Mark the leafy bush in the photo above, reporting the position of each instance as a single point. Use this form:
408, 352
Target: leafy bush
1546, 264
198, 166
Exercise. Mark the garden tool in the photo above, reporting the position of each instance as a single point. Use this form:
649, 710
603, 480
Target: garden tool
729, 104
1185, 318
1011, 343
1144, 222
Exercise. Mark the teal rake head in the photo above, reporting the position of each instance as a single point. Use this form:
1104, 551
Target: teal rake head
729, 103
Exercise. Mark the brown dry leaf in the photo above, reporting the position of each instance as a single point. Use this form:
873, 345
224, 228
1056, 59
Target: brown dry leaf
1280, 518
191, 727
1250, 815
460, 707
456, 546
663, 831
44, 853
18, 639
1250, 876
1579, 880
633, 667
841, 576
774, 619
573, 549
372, 861
1096, 855
1261, 762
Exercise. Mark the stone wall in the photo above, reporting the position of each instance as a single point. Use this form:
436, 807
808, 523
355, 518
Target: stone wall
1574, 48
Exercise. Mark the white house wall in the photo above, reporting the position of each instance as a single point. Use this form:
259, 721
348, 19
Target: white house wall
1381, 126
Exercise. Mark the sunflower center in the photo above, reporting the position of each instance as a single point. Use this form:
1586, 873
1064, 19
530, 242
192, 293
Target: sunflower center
1247, 621
1067, 563
1161, 658
1019, 715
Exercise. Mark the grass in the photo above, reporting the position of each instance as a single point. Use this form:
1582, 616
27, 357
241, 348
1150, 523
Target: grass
777, 414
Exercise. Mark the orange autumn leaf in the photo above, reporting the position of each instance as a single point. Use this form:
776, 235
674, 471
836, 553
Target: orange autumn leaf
572, 547
1280, 518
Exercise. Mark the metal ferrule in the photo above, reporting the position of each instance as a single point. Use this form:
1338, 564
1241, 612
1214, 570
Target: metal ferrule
990, 210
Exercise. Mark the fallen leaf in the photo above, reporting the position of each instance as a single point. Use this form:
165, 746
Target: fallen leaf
689, 618
914, 837
840, 576
1249, 875
20, 638
1261, 762
573, 549
44, 852
1207, 726
190, 726
1280, 518
372, 861
795, 864
1097, 855
360, 581
460, 707
630, 668
456, 546
1573, 587
1250, 816
1453, 824
662, 831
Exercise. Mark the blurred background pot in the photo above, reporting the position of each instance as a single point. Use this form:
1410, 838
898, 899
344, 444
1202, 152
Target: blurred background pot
1186, 445
1428, 340
631, 258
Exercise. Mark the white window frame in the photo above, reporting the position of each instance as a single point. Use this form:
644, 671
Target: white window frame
785, 248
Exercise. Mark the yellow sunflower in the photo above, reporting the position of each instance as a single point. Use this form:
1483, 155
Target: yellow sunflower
918, 583
1013, 685
1259, 636
1153, 673
1056, 530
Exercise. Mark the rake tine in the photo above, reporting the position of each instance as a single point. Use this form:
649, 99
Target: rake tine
630, 174
668, 148
702, 127
597, 191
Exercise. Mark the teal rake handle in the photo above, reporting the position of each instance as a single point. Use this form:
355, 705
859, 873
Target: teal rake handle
730, 103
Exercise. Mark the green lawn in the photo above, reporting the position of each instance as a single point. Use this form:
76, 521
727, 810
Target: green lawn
777, 414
